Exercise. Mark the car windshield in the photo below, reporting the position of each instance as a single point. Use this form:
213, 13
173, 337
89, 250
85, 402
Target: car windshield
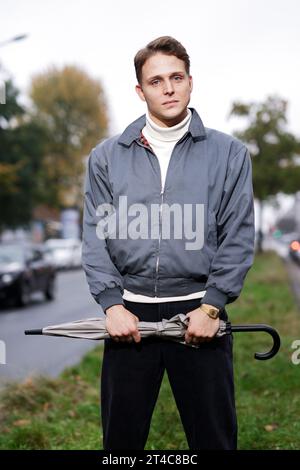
11, 254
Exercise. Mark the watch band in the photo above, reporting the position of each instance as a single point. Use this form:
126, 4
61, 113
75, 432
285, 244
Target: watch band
210, 310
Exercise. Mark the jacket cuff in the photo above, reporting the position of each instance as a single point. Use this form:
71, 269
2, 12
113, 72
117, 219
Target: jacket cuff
215, 297
109, 297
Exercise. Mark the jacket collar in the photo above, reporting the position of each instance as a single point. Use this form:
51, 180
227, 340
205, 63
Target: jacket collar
133, 131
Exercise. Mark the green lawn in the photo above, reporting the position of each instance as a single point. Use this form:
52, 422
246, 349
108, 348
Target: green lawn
64, 413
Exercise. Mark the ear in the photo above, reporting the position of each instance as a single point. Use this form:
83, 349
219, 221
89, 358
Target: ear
191, 83
139, 91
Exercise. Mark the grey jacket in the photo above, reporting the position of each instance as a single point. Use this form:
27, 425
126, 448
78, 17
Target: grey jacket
209, 173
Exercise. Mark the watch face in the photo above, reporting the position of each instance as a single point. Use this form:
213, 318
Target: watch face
213, 313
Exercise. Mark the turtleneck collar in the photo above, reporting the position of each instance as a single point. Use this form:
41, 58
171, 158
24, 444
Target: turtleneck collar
167, 134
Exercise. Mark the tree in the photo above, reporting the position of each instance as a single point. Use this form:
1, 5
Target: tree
274, 151
21, 147
71, 107
8, 112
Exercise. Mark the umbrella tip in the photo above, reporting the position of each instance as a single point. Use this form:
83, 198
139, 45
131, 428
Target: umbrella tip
33, 332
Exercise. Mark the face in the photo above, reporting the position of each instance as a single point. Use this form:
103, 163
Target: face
166, 88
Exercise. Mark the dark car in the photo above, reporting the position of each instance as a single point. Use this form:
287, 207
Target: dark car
24, 270
294, 250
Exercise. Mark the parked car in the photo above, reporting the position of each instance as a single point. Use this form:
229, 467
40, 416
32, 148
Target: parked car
294, 250
287, 237
24, 270
64, 253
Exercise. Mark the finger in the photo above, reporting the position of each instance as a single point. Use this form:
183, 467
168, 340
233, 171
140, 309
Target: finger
200, 339
196, 340
125, 338
189, 338
136, 336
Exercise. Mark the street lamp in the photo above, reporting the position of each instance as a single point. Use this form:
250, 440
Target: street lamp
14, 39
4, 43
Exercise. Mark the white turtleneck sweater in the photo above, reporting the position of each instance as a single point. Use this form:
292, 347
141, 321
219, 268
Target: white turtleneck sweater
163, 140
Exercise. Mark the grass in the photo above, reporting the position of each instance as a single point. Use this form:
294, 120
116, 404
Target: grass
43, 413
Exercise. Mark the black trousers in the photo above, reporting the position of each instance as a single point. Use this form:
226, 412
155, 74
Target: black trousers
201, 381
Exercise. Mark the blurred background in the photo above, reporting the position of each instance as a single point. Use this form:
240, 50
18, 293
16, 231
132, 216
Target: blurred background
67, 81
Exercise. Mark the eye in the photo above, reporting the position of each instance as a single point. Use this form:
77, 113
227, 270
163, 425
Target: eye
177, 78
155, 82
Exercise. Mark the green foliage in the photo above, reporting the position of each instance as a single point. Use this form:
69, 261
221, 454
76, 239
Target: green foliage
11, 109
21, 150
274, 150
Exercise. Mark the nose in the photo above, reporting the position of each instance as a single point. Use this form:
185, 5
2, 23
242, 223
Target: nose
168, 88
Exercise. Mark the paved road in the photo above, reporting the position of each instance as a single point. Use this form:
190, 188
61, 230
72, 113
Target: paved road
28, 355
294, 275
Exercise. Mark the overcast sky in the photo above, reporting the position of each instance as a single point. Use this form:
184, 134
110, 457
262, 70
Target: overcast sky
239, 49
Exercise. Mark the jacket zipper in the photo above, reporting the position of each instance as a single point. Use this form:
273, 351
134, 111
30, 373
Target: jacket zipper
160, 206
159, 238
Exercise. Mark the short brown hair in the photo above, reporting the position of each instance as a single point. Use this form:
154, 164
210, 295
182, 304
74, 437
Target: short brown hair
164, 44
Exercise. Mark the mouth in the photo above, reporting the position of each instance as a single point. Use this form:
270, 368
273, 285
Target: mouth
170, 102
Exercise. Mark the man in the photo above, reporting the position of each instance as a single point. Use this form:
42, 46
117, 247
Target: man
182, 179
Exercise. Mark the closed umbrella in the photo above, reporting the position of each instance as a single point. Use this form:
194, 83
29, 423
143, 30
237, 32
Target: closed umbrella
173, 329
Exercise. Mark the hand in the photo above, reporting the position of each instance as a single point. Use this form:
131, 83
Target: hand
201, 327
122, 324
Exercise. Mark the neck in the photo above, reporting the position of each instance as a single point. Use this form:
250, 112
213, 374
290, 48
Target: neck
167, 134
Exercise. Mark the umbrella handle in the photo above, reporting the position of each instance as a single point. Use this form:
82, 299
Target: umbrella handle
259, 327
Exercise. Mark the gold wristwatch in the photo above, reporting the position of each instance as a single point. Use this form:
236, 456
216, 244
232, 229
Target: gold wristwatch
210, 310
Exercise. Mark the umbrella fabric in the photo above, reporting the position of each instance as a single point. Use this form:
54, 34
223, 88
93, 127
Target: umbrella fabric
94, 328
